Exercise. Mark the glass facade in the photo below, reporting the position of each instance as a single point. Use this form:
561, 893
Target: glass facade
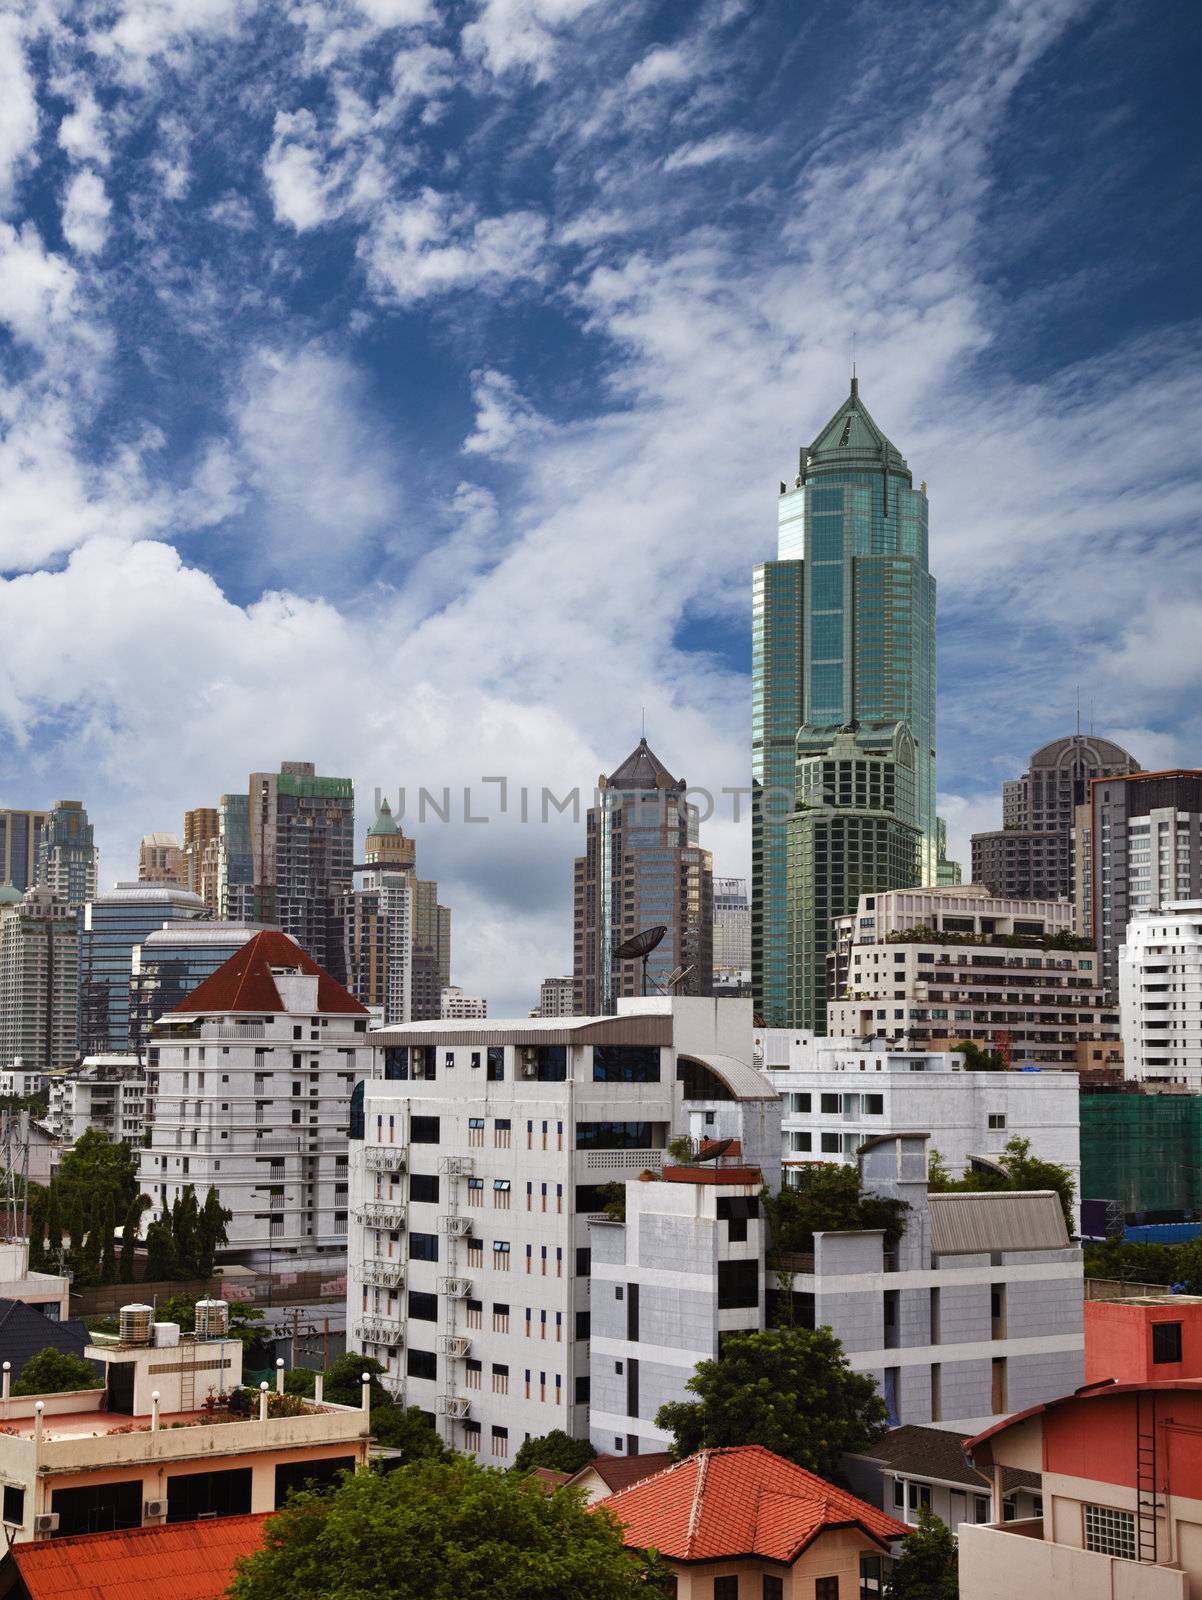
843, 719
68, 861
172, 962
110, 926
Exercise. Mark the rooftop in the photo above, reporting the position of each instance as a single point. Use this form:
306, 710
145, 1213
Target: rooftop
936, 1453
246, 981
722, 1504
973, 1224
642, 769
620, 1472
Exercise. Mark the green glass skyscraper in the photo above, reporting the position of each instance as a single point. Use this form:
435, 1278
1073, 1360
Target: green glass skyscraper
843, 719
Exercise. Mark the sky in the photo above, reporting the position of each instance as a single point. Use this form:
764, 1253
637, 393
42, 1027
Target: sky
406, 387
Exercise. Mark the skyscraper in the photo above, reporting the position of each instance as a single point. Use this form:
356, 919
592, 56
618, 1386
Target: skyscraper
160, 859
732, 936
172, 961
235, 868
68, 861
843, 719
202, 855
110, 926
642, 866
39, 957
302, 843
20, 836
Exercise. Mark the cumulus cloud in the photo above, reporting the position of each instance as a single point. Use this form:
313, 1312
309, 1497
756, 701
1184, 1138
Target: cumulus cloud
18, 108
718, 147
503, 416
82, 133
427, 245
664, 64
521, 35
86, 208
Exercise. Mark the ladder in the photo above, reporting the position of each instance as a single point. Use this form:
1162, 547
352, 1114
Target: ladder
187, 1379
1147, 1499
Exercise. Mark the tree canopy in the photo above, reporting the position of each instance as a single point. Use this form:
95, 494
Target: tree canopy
789, 1389
403, 1428
827, 1196
440, 1530
54, 1371
927, 1568
184, 1241
1168, 1264
1022, 1171
557, 1450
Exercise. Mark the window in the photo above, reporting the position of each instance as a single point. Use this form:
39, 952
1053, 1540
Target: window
918, 1496
500, 1378
874, 1105
423, 1186
423, 1130
872, 1575
726, 1588
774, 1588
496, 1063
584, 1261
799, 1103
826, 1589
832, 1144
1109, 1532
829, 1104
1166, 1342
421, 1363
14, 1503
625, 1063
500, 1317
500, 1442
738, 1284
613, 1136
997, 1120
423, 1247
424, 1307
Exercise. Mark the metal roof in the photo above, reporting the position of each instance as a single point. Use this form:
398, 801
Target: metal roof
973, 1224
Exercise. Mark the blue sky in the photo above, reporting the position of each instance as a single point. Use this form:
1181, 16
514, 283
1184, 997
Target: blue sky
406, 386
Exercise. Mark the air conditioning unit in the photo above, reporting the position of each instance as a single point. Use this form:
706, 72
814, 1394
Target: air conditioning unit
452, 1405
46, 1523
156, 1508
529, 1066
454, 1344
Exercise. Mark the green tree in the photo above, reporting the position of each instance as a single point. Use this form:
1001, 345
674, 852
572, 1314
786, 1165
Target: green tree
39, 1200
440, 1530
160, 1251
789, 1389
828, 1197
1026, 1171
557, 1450
185, 1215
211, 1224
978, 1060
54, 1228
95, 1168
939, 1179
927, 1566
407, 1429
108, 1246
344, 1386
53, 1371
130, 1229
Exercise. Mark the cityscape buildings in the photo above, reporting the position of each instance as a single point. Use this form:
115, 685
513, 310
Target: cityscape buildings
201, 855
732, 935
68, 861
255, 1073
457, 1006
110, 927
39, 979
947, 873
843, 707
20, 836
160, 859
1160, 994
111, 1093
173, 961
556, 997
643, 867
235, 868
928, 968
1141, 839
1031, 856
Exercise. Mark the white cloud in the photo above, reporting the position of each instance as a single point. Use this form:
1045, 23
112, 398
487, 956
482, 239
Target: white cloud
134, 37
718, 147
18, 109
37, 287
421, 72
503, 416
86, 208
82, 133
428, 245
521, 35
664, 64
396, 13
296, 172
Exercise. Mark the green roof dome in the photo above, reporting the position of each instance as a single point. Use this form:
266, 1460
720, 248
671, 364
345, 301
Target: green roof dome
10, 895
385, 822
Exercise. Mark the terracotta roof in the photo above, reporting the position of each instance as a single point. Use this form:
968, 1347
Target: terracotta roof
619, 1472
745, 1176
183, 1561
920, 1452
245, 982
721, 1504
549, 1478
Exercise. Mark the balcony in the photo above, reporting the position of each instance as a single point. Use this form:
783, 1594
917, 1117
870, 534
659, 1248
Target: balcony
454, 1344
383, 1274
457, 1166
380, 1214
455, 1227
384, 1158
456, 1406
1000, 1560
380, 1330
455, 1288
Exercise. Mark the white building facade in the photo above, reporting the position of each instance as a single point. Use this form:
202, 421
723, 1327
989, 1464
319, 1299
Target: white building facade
107, 1092
1160, 995
456, 1006
479, 1161
255, 1074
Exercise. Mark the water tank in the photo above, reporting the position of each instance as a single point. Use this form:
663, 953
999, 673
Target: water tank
136, 1324
212, 1319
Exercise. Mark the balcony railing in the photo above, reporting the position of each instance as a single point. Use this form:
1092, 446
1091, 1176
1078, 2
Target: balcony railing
455, 1227
452, 1405
383, 1274
381, 1214
455, 1288
454, 1344
385, 1158
380, 1330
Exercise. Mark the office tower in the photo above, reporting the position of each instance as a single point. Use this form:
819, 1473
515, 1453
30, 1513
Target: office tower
160, 859
173, 961
642, 867
431, 950
68, 861
556, 997
931, 967
110, 927
843, 716
1031, 855
1143, 845
302, 843
732, 935
20, 836
202, 855
39, 975
1160, 994
388, 845
235, 868
263, 1118
947, 873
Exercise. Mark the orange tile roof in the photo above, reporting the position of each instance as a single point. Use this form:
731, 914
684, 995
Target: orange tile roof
183, 1561
720, 1504
245, 983
619, 1472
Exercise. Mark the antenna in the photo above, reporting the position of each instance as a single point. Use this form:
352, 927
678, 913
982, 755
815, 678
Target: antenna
639, 946
854, 336
1078, 711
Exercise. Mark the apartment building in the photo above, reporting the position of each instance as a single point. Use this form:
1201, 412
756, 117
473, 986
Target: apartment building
479, 1162
39, 979
1160, 995
931, 967
455, 1006
110, 1093
255, 1073
556, 997
836, 1094
977, 1312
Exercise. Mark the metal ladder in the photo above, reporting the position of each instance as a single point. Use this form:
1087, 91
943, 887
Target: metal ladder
1147, 1499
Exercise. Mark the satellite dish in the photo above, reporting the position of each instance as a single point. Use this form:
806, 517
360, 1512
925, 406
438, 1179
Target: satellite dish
639, 946
714, 1153
668, 985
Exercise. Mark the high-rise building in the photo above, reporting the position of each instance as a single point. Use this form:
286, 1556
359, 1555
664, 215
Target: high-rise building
68, 861
1160, 995
173, 961
642, 867
269, 1129
732, 935
110, 927
947, 872
1031, 855
843, 718
1142, 839
20, 836
39, 975
431, 950
235, 868
202, 855
388, 845
302, 843
160, 859
556, 997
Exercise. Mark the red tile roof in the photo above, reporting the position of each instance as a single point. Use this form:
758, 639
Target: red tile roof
619, 1472
245, 983
720, 1504
184, 1561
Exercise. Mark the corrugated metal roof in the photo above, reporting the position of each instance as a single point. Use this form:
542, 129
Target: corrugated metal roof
972, 1224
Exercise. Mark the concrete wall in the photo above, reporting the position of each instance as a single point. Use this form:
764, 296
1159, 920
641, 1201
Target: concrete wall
1000, 1563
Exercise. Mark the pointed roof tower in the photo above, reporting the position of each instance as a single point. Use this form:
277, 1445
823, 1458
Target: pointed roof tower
385, 822
852, 442
642, 769
387, 845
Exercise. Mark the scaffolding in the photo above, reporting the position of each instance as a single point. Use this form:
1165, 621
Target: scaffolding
1142, 1151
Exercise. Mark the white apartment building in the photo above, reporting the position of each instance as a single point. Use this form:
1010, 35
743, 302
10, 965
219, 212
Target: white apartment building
455, 1006
556, 998
478, 1162
1160, 995
106, 1092
835, 1094
17, 1081
255, 1074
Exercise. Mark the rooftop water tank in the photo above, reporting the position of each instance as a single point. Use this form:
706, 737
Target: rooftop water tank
135, 1324
212, 1319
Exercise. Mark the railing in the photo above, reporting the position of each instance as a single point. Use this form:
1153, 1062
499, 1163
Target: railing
385, 1158
635, 1160
380, 1214
454, 1344
456, 1227
455, 1288
384, 1274
384, 1330
452, 1405
458, 1166
236, 1030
